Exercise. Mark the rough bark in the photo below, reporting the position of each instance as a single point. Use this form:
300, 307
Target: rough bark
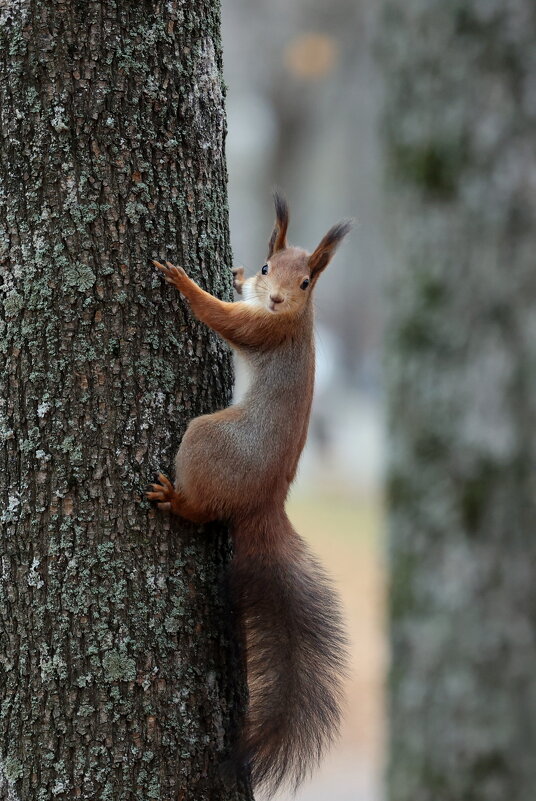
461, 356
118, 677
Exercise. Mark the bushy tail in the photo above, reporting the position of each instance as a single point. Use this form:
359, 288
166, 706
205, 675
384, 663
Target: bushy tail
296, 656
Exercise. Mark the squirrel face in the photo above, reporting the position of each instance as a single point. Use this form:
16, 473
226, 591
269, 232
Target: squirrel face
283, 284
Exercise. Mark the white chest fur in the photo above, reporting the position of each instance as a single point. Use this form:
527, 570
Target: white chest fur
249, 295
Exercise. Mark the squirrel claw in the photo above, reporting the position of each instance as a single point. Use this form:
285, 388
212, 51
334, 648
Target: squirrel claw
160, 266
174, 270
156, 495
162, 492
173, 275
166, 482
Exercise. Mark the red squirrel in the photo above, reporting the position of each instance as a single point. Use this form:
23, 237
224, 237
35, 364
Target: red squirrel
237, 465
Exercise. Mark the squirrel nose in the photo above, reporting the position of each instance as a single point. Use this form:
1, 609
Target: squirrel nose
276, 298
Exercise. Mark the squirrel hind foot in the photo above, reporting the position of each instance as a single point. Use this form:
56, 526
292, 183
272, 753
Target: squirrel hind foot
174, 501
164, 493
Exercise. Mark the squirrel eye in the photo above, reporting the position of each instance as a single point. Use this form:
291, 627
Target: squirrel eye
264, 269
304, 284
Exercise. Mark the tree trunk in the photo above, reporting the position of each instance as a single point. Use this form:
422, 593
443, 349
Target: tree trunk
119, 676
461, 143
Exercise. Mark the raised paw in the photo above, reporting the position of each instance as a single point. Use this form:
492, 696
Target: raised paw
173, 275
238, 278
163, 492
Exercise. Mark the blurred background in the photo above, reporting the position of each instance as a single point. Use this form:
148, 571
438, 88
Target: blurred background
419, 120
302, 105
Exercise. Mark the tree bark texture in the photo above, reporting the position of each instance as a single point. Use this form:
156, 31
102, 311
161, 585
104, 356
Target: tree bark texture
119, 678
461, 358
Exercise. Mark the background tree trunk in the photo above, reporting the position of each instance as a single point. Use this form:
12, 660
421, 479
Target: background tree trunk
118, 679
461, 354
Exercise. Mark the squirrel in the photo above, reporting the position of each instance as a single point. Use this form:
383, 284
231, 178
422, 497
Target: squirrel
237, 465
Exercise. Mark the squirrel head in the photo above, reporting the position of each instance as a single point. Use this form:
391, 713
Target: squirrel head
284, 284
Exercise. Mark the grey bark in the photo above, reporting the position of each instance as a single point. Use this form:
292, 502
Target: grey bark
461, 356
119, 677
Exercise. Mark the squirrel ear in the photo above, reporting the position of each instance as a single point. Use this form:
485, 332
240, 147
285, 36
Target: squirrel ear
321, 257
278, 239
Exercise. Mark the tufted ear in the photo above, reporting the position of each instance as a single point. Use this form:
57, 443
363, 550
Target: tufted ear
278, 239
320, 258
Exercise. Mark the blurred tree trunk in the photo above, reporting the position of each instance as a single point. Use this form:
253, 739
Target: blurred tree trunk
118, 677
461, 356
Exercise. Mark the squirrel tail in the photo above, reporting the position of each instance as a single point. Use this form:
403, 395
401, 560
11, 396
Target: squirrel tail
295, 652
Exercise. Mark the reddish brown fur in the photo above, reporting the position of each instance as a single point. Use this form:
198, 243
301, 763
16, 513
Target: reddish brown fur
237, 465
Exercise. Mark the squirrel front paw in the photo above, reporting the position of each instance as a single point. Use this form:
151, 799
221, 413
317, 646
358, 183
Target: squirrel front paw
238, 278
173, 275
164, 493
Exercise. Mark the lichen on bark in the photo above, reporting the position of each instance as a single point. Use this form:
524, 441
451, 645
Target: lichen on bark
119, 676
